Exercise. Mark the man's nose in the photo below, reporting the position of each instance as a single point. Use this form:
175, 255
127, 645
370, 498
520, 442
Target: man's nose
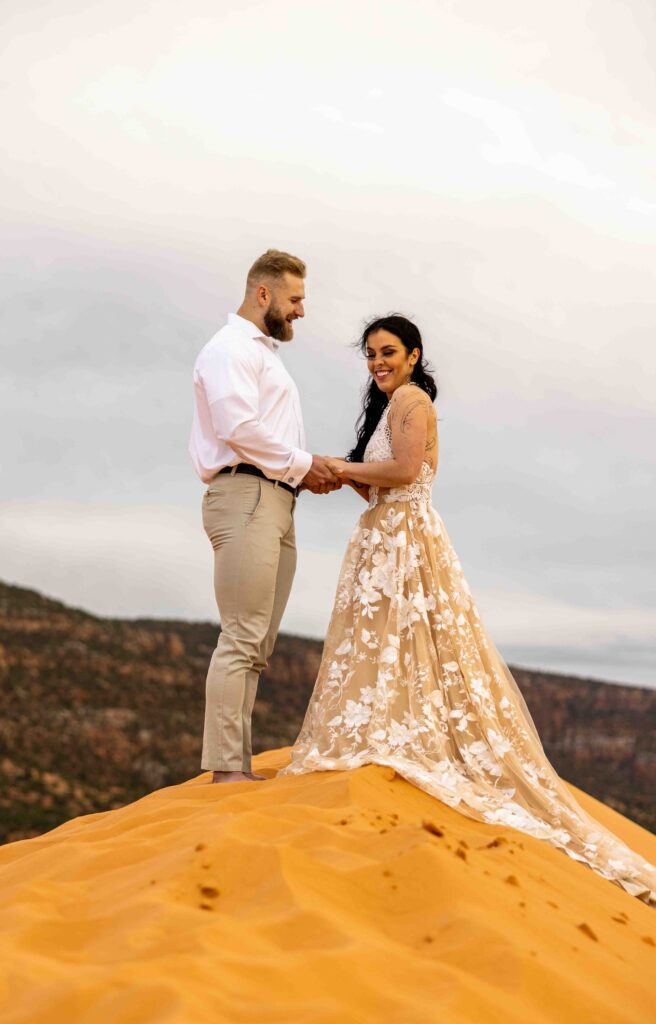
300, 309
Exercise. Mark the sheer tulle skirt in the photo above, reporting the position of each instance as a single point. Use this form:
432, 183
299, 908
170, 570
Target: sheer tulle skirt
409, 678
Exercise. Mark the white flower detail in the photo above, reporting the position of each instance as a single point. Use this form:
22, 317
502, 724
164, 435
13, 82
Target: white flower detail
399, 735
356, 714
498, 744
481, 756
478, 687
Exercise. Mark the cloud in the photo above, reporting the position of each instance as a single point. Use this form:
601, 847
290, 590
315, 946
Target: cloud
515, 145
338, 117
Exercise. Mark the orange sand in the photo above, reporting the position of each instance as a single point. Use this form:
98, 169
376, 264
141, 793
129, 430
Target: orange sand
320, 899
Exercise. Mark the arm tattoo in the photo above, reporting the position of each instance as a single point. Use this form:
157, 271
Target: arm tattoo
407, 415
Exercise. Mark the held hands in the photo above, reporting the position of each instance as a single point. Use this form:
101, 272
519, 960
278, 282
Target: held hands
320, 479
343, 470
322, 488
339, 467
329, 473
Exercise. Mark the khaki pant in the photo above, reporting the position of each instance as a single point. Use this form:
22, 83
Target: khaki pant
250, 524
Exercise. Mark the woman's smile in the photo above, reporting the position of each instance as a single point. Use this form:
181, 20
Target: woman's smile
388, 361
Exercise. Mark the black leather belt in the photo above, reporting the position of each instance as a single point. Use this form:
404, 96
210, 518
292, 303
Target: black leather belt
246, 467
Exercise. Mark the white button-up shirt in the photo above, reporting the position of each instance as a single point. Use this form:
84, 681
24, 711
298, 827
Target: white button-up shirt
246, 407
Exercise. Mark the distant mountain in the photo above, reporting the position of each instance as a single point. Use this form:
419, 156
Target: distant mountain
96, 712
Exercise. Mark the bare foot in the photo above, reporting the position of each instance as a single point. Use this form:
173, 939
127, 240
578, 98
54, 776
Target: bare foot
256, 778
230, 777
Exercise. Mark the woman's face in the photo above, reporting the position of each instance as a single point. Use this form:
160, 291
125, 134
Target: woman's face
388, 361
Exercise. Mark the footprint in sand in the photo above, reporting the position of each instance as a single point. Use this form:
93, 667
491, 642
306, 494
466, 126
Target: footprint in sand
499, 841
587, 930
210, 892
428, 826
512, 880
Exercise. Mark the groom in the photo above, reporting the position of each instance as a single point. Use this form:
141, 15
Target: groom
248, 445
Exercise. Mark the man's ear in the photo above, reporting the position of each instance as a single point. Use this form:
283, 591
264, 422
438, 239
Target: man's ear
263, 295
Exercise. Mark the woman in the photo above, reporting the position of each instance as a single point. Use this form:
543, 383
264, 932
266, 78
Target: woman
409, 678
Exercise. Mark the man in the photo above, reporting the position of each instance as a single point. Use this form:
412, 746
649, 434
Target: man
248, 444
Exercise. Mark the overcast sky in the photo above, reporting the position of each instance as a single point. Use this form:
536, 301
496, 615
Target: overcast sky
488, 169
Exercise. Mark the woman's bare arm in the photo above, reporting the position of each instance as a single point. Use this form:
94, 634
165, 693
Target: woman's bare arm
409, 413
361, 489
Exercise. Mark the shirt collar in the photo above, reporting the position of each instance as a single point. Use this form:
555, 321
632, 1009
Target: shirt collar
249, 328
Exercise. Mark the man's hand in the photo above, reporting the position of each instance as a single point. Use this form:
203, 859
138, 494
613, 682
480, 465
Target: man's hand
323, 488
319, 476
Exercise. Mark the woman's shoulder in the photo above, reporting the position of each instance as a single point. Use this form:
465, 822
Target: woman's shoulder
408, 394
409, 405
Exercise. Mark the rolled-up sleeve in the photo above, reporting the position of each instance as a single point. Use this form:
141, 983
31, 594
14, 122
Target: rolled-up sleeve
230, 380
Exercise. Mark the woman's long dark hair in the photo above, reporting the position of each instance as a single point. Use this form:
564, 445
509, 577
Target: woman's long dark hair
375, 400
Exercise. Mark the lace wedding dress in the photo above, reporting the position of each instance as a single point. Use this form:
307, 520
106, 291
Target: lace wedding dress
409, 678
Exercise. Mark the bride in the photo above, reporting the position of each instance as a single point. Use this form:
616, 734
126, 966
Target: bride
409, 677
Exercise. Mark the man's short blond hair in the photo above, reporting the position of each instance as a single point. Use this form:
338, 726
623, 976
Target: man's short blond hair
274, 264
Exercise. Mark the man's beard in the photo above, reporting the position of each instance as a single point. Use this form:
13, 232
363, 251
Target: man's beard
277, 326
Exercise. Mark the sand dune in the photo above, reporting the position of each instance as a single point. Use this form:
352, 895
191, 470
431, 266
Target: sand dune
324, 899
